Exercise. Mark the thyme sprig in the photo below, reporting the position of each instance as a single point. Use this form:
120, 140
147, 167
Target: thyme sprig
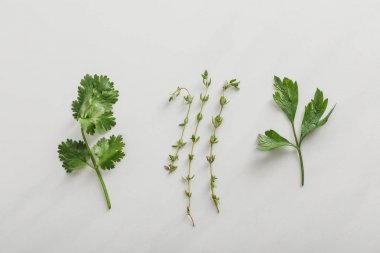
180, 143
216, 122
194, 139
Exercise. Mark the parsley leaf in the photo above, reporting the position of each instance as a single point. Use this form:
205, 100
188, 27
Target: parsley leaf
73, 155
286, 97
109, 151
93, 107
271, 140
313, 114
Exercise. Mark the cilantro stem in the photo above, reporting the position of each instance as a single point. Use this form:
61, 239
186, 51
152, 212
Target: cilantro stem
103, 186
298, 147
96, 168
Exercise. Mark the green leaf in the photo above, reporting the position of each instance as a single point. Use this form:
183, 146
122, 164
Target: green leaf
171, 167
313, 114
271, 140
101, 123
109, 151
73, 155
93, 107
179, 144
286, 96
211, 158
213, 139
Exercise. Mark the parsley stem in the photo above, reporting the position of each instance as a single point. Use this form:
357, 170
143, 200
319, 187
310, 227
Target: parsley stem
298, 147
302, 168
96, 168
295, 135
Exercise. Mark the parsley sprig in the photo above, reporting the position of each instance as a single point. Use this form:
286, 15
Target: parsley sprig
216, 122
93, 111
286, 97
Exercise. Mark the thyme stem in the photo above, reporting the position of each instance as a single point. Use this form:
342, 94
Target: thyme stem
195, 139
173, 158
212, 176
216, 122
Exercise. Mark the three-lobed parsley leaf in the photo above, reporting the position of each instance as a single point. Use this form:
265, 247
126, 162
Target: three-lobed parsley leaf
286, 97
313, 114
93, 110
271, 140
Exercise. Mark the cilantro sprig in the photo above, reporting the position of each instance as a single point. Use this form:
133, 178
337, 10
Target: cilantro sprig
286, 97
93, 111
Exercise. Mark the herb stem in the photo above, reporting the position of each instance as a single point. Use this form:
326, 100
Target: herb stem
188, 194
191, 155
298, 147
212, 176
96, 168
302, 168
295, 135
183, 128
173, 158
103, 186
216, 122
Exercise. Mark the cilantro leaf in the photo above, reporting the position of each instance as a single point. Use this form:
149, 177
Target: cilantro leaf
286, 96
313, 114
103, 122
109, 151
271, 140
93, 107
93, 110
73, 155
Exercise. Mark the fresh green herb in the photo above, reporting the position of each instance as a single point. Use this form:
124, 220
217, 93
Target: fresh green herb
216, 122
286, 97
180, 143
195, 139
93, 111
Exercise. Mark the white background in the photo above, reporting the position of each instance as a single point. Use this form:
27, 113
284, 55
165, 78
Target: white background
148, 48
